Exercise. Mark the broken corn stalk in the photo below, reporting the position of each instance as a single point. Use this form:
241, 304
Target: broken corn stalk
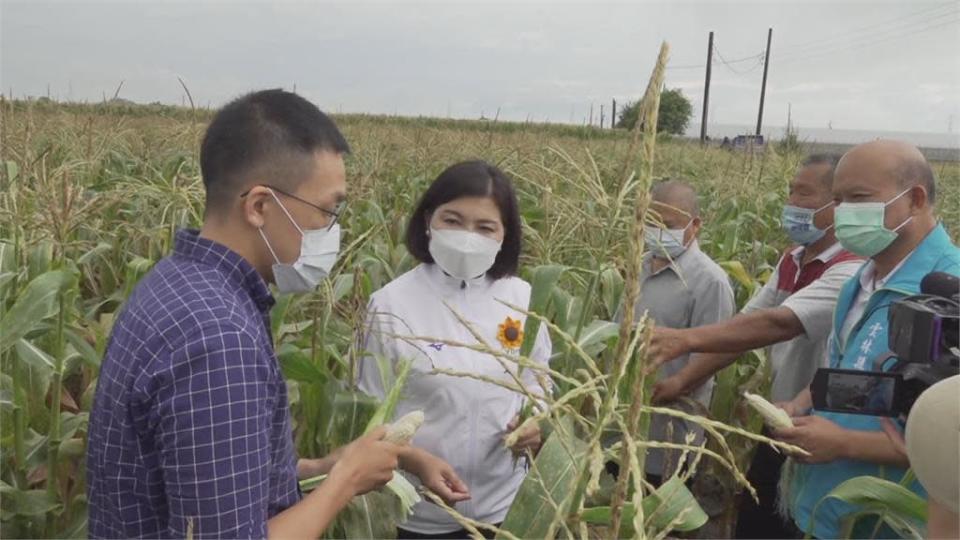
773, 416
401, 431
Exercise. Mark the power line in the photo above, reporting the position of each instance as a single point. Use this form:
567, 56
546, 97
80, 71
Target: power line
735, 61
757, 59
919, 25
870, 42
848, 34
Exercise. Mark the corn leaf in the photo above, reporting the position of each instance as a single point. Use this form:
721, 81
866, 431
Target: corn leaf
297, 366
33, 502
32, 355
372, 515
6, 399
671, 506
548, 482
36, 302
350, 413
86, 351
387, 408
542, 284
595, 336
100, 249
897, 504
611, 289
736, 270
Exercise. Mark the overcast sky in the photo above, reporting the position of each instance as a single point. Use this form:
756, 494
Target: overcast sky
859, 65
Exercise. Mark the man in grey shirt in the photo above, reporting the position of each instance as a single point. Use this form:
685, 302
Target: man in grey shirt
680, 287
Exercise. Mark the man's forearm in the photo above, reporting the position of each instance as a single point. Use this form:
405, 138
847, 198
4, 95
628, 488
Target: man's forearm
309, 468
872, 446
312, 515
746, 331
703, 366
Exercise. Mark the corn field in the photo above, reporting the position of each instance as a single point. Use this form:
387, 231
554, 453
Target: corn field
90, 199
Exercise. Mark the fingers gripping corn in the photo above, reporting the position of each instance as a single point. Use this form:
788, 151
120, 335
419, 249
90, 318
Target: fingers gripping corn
773, 416
401, 431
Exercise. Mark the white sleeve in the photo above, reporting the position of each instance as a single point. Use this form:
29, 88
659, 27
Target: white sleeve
766, 297
815, 303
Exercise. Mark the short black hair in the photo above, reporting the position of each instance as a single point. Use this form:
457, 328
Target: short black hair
470, 179
272, 133
913, 172
823, 159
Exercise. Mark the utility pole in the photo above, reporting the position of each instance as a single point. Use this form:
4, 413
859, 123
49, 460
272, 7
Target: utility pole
602, 118
613, 115
706, 91
591, 115
763, 88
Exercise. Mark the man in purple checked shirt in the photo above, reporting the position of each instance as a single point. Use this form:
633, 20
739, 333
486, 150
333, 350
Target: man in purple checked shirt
190, 427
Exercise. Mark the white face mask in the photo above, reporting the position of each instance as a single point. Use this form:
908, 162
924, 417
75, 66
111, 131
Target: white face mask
318, 253
462, 254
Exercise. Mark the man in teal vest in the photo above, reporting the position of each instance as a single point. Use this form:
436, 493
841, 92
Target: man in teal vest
885, 192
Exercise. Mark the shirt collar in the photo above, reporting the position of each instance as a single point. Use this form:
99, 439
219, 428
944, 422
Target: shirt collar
450, 283
867, 282
191, 246
823, 256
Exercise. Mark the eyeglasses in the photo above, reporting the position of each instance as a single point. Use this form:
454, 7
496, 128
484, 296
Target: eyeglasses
334, 214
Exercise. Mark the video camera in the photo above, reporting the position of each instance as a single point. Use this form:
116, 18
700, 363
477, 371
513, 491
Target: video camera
923, 340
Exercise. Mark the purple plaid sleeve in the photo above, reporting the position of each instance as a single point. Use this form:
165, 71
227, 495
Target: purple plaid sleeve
213, 430
190, 427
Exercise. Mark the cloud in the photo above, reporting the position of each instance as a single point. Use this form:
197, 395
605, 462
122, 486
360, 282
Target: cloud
546, 59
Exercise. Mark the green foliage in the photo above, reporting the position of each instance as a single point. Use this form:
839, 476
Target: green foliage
91, 195
674, 116
890, 503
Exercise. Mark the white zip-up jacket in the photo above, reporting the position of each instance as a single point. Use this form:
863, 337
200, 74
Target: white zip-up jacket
466, 418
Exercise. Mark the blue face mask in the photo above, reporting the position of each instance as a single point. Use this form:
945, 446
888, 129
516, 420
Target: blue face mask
798, 224
666, 243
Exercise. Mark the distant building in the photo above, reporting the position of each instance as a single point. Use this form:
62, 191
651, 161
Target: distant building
748, 141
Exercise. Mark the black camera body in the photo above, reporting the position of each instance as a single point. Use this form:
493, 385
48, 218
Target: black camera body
924, 349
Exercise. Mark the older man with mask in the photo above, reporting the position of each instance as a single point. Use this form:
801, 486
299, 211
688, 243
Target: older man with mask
790, 315
680, 287
885, 192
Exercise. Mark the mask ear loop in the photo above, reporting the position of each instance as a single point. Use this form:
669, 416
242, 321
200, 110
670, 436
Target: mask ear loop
902, 193
824, 207
686, 245
891, 201
285, 211
267, 242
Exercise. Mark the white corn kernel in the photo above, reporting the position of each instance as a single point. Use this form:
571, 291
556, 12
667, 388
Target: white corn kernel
401, 431
773, 416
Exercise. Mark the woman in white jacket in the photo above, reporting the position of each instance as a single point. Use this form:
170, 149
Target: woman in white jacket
466, 233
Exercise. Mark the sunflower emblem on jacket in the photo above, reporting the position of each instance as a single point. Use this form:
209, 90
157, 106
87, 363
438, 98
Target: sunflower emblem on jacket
510, 333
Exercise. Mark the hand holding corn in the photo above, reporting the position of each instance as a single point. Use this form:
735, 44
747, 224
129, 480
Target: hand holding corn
522, 436
367, 463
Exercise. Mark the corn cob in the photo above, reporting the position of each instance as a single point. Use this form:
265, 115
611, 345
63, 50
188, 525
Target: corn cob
773, 416
401, 431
